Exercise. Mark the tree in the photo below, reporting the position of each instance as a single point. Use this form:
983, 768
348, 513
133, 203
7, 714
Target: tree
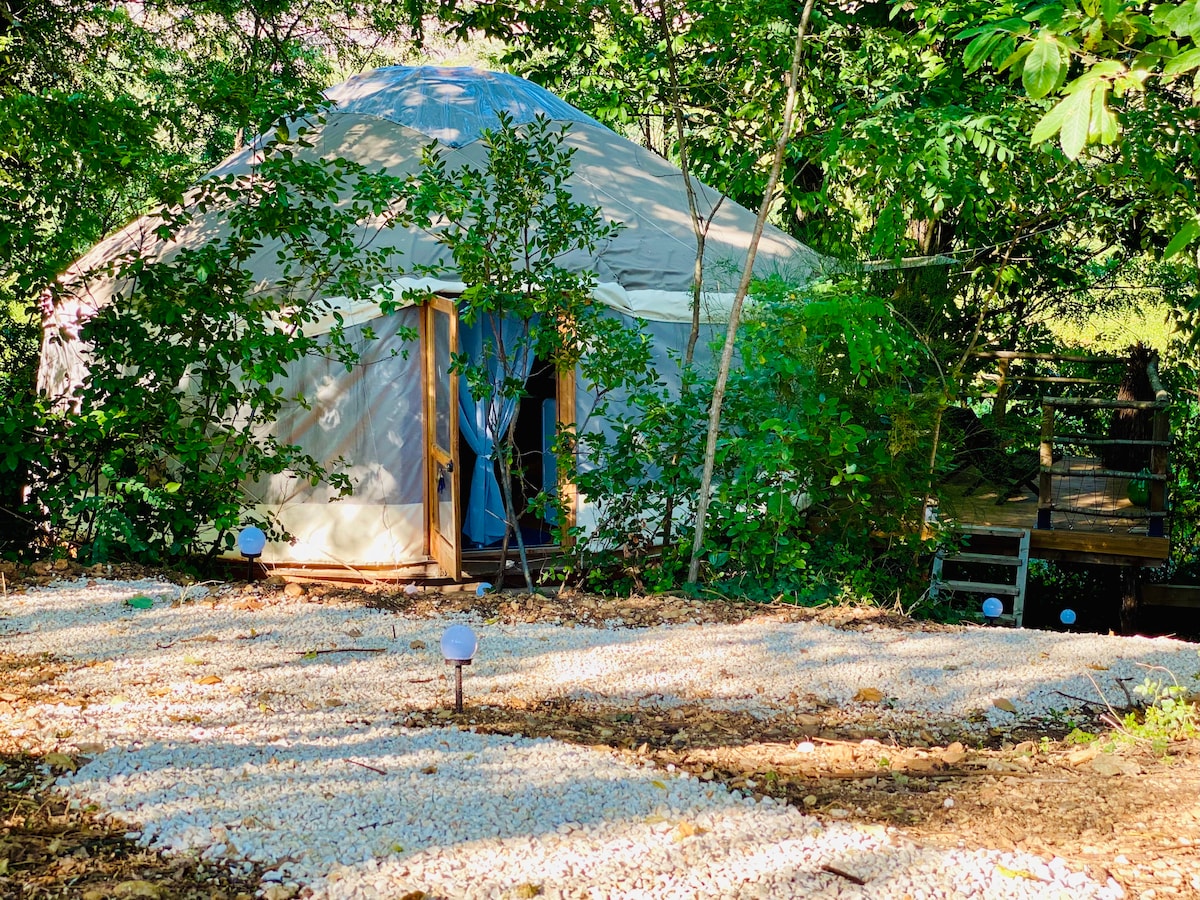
508, 226
1118, 74
149, 454
110, 110
714, 413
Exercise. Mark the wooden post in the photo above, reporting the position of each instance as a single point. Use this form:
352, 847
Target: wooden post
1130, 578
1045, 495
1158, 466
1000, 404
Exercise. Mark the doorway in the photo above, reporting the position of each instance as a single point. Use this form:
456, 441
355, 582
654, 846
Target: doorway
535, 468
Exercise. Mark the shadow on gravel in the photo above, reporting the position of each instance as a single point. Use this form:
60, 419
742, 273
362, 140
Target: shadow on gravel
50, 851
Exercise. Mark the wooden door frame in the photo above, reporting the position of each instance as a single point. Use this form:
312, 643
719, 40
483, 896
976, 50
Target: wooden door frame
567, 490
448, 557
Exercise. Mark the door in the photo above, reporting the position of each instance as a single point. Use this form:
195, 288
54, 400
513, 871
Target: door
439, 342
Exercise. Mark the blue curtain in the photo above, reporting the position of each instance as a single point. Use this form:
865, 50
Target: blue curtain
481, 421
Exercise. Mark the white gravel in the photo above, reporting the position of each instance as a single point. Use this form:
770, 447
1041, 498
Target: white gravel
211, 732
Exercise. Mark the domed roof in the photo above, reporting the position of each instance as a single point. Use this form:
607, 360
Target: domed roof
385, 119
451, 105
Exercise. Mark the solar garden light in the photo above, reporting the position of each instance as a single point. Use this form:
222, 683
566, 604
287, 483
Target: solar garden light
1067, 617
251, 542
459, 644
993, 609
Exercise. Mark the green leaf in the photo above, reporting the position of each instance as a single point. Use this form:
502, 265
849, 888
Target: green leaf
1188, 233
141, 601
1016, 56
1184, 62
172, 487
1184, 20
1076, 124
1050, 123
1103, 126
979, 50
1043, 66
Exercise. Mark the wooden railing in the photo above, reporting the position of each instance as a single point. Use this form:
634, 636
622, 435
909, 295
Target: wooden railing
1055, 411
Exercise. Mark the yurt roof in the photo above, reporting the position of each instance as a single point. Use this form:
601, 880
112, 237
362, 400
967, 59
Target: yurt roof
384, 118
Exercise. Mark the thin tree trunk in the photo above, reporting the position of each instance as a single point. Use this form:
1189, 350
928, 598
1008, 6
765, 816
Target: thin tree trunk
714, 411
700, 229
509, 507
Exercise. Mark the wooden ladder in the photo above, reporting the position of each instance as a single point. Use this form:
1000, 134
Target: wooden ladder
1011, 593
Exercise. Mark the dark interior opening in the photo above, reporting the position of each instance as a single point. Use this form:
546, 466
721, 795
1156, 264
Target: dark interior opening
536, 418
534, 434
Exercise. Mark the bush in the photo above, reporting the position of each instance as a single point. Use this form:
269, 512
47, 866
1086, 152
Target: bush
147, 457
821, 470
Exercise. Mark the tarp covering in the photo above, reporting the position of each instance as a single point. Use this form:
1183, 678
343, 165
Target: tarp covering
450, 105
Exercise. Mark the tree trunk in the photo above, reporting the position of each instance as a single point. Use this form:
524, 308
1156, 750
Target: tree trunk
714, 410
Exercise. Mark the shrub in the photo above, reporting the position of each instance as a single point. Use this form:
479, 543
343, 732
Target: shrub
821, 470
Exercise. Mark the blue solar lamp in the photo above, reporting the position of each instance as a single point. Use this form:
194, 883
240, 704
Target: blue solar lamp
993, 609
1067, 617
251, 543
459, 644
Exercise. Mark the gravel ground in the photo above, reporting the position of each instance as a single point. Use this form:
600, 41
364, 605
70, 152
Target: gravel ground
243, 730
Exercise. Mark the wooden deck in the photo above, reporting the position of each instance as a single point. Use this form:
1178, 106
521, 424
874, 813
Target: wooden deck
1092, 519
1075, 508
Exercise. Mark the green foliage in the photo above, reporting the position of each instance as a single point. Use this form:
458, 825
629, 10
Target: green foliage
149, 455
1115, 71
106, 113
1171, 713
820, 472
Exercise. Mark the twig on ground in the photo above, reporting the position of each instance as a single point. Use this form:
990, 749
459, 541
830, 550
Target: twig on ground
374, 769
1080, 699
376, 825
1125, 691
841, 873
342, 650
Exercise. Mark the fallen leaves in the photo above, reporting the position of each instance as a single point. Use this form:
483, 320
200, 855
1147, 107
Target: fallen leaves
50, 850
1005, 704
868, 695
60, 761
137, 888
685, 830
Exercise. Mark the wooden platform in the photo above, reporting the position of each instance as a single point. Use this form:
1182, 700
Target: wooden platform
1092, 519
478, 566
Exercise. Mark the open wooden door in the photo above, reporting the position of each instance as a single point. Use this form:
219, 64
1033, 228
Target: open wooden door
439, 343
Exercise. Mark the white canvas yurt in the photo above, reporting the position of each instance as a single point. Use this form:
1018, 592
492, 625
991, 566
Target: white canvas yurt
424, 486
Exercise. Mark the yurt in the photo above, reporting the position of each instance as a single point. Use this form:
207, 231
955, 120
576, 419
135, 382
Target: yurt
424, 482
